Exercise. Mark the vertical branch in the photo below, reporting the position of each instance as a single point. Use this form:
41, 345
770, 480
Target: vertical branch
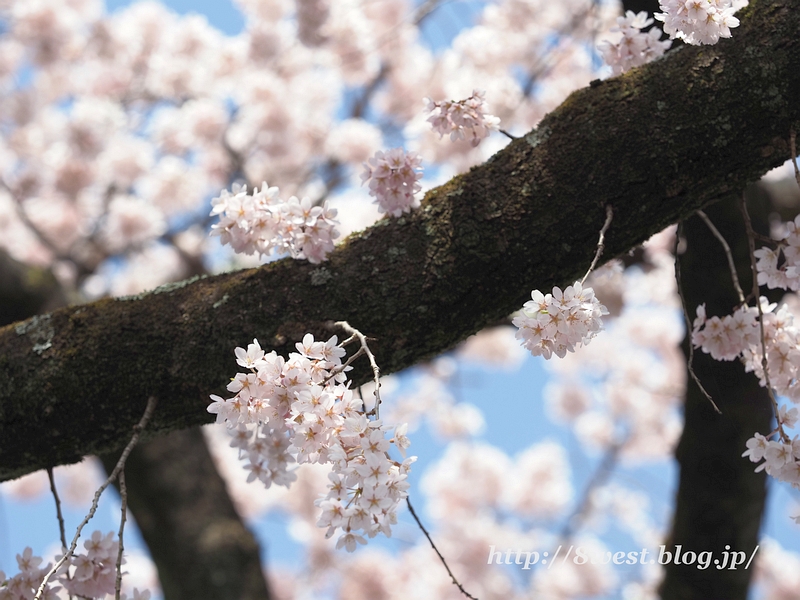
123, 494
751, 244
59, 516
793, 147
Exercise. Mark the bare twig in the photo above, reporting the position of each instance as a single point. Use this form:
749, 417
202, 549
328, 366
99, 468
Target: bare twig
59, 515
137, 430
728, 254
601, 241
123, 494
61, 529
508, 135
376, 372
688, 322
764, 367
793, 147
343, 366
435, 549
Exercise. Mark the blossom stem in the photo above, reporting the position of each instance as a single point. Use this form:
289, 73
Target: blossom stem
376, 372
601, 242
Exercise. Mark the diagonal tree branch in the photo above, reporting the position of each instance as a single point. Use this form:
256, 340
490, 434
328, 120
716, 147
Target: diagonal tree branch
656, 144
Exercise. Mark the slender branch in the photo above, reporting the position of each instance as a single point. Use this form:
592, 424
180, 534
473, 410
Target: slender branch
61, 529
435, 549
508, 135
59, 515
728, 254
764, 366
793, 148
343, 366
137, 430
601, 242
376, 372
123, 494
688, 323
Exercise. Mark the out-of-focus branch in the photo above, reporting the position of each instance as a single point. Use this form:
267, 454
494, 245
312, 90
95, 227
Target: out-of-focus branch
198, 541
26, 290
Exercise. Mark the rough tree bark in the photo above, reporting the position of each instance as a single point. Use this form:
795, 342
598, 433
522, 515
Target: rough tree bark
199, 543
656, 144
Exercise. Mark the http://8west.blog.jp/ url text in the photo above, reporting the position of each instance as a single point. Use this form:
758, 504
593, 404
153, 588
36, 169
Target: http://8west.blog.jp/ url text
726, 559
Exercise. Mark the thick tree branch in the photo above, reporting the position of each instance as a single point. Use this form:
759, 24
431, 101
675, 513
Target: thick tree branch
656, 144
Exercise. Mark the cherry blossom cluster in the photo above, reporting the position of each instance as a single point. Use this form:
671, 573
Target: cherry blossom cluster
95, 572
559, 322
462, 119
781, 457
787, 255
301, 410
699, 21
263, 222
739, 336
393, 180
635, 48
24, 584
88, 575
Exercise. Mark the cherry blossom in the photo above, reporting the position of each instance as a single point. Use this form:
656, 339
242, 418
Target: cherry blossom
635, 47
559, 322
699, 21
462, 119
300, 410
393, 178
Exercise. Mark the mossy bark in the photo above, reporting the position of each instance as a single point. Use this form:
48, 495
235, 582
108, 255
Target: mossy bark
656, 143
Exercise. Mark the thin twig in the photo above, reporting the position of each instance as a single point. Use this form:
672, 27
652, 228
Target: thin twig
123, 494
342, 367
688, 322
751, 244
376, 372
728, 254
601, 241
793, 147
61, 528
508, 135
435, 549
137, 430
